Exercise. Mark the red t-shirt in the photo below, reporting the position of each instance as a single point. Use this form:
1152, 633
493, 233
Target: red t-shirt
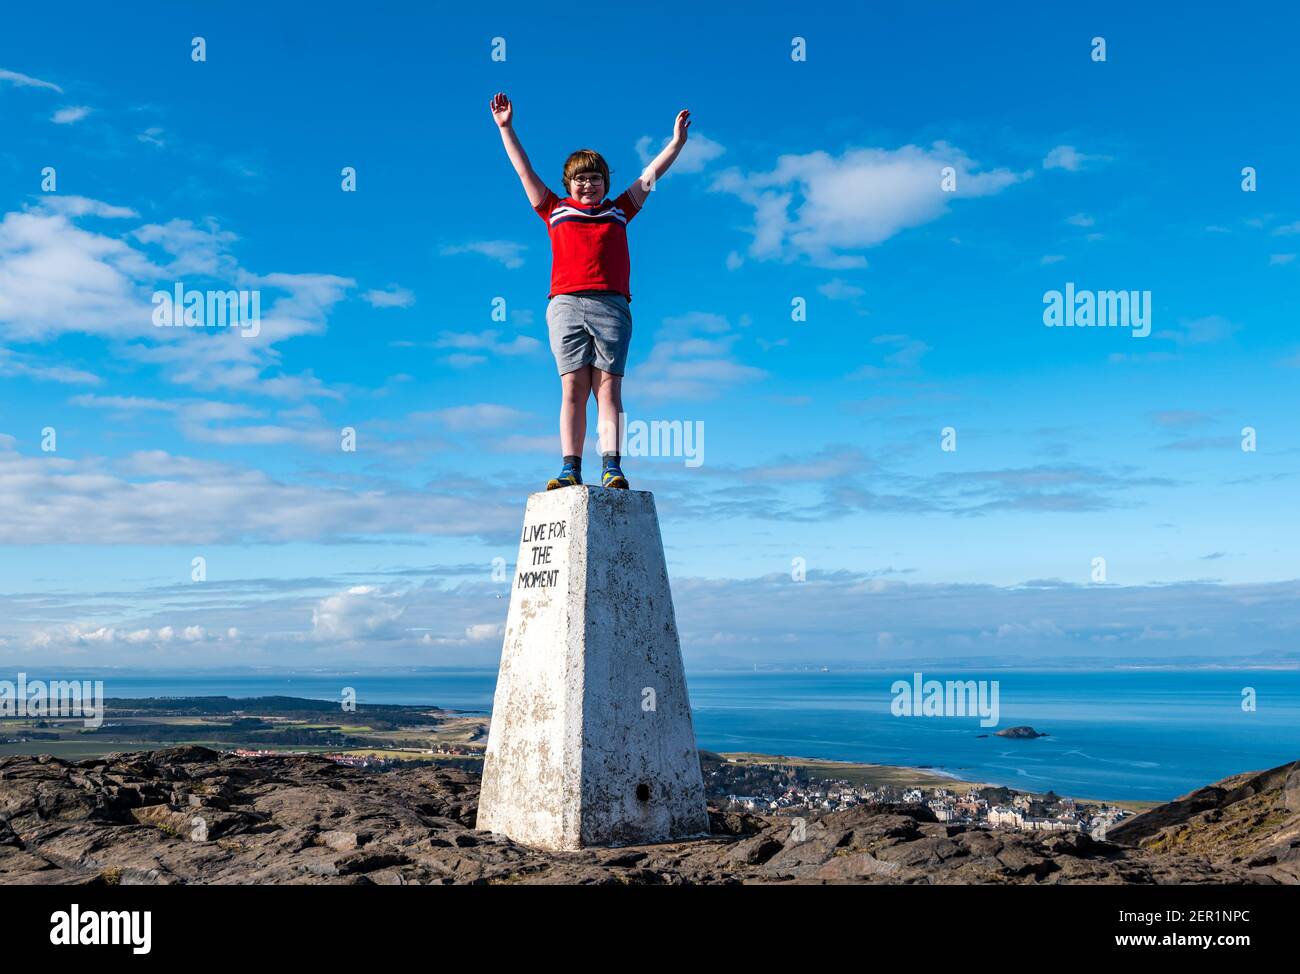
588, 244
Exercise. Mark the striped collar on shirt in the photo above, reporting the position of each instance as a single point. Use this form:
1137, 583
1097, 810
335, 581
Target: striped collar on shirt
604, 212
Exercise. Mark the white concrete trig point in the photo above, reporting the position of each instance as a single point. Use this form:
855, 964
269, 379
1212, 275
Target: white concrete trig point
591, 741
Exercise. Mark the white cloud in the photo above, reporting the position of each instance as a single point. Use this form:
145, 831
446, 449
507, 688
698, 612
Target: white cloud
1200, 331
480, 416
158, 498
818, 205
468, 345
304, 305
395, 297
69, 115
58, 278
264, 435
504, 251
363, 611
838, 290
171, 466
692, 358
460, 360
75, 206
766, 617
132, 404
518, 443
905, 356
194, 250
82, 634
26, 81
1070, 159
698, 152
193, 410
17, 364
1080, 220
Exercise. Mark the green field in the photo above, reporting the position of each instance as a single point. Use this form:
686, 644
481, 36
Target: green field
277, 724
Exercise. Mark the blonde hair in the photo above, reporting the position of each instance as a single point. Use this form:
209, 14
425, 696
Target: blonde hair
585, 160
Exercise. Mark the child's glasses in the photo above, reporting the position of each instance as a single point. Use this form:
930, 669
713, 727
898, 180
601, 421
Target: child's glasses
587, 180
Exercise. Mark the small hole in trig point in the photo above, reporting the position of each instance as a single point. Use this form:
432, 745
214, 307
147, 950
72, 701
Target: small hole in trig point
643, 792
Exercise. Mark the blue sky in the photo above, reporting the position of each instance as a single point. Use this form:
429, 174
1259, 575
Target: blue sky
815, 179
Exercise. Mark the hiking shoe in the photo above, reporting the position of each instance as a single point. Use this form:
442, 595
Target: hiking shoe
612, 476
570, 476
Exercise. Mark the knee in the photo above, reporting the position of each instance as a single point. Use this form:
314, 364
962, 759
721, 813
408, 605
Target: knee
575, 393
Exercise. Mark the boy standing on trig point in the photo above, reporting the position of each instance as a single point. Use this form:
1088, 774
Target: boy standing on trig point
588, 317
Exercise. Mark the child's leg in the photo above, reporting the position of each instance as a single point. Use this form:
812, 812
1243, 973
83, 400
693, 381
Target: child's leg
609, 407
575, 387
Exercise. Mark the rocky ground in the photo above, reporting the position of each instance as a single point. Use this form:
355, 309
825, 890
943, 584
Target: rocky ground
191, 815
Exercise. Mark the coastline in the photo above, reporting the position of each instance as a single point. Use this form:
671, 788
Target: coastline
806, 719
907, 776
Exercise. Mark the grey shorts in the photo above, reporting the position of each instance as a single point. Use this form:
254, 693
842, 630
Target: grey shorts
589, 329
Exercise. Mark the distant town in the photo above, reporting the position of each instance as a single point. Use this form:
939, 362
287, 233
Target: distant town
787, 789
784, 789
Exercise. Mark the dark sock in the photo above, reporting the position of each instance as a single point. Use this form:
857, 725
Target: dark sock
575, 462
609, 459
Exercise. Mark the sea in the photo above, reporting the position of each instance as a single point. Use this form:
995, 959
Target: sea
1130, 734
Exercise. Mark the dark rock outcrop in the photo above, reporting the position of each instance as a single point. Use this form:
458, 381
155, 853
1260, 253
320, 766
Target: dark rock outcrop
1251, 819
191, 815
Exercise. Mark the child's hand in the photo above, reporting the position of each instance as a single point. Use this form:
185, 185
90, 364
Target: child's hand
681, 125
502, 111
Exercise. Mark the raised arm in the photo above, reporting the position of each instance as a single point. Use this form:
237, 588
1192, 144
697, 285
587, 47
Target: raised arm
640, 189
503, 113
